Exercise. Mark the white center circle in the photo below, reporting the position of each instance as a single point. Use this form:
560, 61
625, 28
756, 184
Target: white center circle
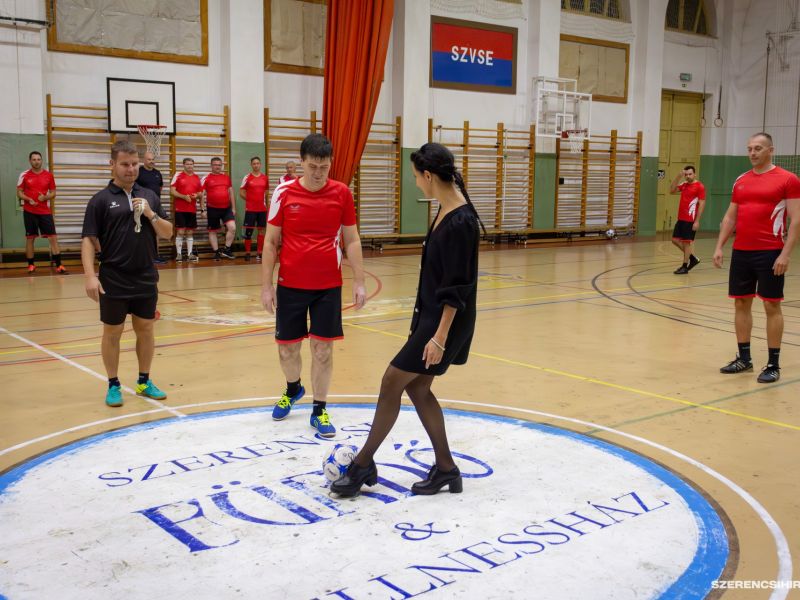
233, 504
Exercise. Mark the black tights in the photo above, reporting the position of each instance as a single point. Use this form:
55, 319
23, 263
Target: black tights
428, 410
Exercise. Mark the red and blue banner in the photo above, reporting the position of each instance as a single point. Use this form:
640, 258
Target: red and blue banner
473, 56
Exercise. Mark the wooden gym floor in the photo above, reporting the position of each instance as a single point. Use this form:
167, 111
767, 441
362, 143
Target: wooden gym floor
601, 333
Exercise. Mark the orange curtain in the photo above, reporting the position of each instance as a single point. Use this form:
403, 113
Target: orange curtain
356, 42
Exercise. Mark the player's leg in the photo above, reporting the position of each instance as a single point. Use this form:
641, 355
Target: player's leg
191, 225
48, 227
261, 225
143, 319
180, 233
249, 221
770, 290
687, 252
291, 328
230, 234
325, 311
31, 233
679, 239
742, 280
113, 312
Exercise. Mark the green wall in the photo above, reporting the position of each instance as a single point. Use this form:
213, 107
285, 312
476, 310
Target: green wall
241, 153
544, 191
14, 149
413, 213
648, 196
718, 174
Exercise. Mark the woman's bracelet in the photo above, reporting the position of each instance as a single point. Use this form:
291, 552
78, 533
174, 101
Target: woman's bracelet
438, 345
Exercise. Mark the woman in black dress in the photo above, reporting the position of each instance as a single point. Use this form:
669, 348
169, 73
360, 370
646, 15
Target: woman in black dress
441, 327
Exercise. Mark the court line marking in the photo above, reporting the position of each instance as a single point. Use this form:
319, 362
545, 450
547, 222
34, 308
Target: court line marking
617, 386
783, 552
89, 371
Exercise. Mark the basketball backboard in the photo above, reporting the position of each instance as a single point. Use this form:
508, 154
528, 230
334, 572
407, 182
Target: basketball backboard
133, 102
560, 107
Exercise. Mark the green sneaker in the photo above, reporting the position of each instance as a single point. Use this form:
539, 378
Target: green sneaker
149, 390
322, 423
114, 396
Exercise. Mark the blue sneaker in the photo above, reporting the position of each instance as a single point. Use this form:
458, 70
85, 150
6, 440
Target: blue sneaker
284, 406
322, 423
114, 396
149, 390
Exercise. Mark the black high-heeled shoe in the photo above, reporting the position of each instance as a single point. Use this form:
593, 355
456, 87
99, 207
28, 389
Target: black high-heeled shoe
436, 480
350, 483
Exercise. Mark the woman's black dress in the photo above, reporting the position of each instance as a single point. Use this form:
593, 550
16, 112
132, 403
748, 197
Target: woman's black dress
449, 275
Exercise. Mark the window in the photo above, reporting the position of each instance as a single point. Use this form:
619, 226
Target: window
687, 15
600, 8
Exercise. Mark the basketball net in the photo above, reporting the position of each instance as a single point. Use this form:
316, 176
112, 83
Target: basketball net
575, 138
152, 135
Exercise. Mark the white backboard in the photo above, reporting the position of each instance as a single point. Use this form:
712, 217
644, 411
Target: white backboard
133, 102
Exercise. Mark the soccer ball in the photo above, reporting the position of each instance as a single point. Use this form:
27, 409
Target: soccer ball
611, 234
335, 463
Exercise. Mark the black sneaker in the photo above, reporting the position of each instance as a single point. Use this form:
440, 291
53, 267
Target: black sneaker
682, 270
226, 253
217, 256
158, 260
769, 374
693, 262
737, 365
247, 257
179, 258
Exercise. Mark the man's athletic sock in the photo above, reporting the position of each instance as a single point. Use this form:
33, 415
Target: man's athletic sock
248, 243
319, 406
260, 243
57, 258
113, 381
292, 388
189, 245
30, 261
143, 377
179, 244
774, 356
744, 351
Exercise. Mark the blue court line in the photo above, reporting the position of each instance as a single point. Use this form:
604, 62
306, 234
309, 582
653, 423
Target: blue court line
708, 563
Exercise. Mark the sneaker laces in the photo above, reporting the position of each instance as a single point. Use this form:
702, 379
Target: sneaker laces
323, 418
285, 401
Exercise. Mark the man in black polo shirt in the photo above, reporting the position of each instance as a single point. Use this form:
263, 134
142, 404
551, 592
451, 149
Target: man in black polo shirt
128, 281
150, 178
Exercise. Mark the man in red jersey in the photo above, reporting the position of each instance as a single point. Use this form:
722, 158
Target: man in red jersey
307, 216
35, 188
253, 191
291, 167
690, 209
762, 198
185, 188
218, 197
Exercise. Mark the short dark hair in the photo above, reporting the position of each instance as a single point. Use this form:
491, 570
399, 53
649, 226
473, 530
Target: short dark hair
690, 167
258, 158
316, 145
125, 147
30, 156
187, 160
216, 159
763, 134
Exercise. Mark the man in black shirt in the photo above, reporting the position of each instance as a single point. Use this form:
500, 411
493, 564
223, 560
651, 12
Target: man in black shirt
126, 219
150, 178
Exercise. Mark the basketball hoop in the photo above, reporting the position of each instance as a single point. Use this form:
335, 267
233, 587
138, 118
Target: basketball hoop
152, 135
575, 138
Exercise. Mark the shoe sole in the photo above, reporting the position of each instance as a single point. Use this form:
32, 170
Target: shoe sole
164, 397
274, 418
750, 370
759, 380
325, 435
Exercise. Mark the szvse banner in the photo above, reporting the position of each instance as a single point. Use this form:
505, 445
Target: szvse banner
474, 56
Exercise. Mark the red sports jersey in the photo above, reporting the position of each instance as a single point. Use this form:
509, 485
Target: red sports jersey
286, 177
255, 190
32, 185
216, 187
761, 208
186, 184
691, 194
311, 258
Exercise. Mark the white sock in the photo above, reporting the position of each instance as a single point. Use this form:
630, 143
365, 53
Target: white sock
189, 244
179, 243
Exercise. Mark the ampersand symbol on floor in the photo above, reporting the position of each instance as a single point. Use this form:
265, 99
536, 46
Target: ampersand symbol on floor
420, 533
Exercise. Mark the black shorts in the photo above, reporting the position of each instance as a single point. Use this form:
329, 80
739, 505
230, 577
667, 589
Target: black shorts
217, 216
185, 220
683, 231
114, 311
255, 220
751, 275
36, 225
294, 306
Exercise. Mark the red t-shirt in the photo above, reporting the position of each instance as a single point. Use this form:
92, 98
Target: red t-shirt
255, 191
310, 222
32, 184
761, 208
186, 184
691, 194
216, 187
